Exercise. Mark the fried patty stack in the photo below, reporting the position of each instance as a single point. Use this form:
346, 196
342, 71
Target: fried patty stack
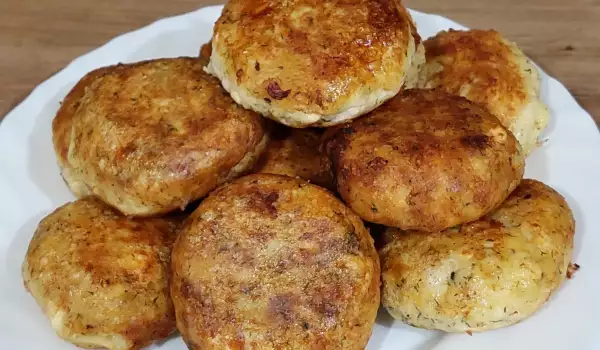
428, 140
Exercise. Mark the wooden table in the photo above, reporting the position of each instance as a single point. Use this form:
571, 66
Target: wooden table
38, 38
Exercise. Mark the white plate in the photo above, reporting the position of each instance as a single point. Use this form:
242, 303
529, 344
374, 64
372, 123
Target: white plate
31, 187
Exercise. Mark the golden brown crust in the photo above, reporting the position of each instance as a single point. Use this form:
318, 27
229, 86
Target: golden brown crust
466, 54
99, 275
295, 153
483, 275
273, 262
302, 56
485, 68
425, 160
152, 136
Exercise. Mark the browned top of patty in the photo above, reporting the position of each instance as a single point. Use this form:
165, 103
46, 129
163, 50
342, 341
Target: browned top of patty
151, 136
274, 262
425, 160
483, 61
107, 273
311, 55
485, 274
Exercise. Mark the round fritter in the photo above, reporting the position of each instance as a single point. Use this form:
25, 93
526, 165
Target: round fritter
425, 160
101, 278
295, 153
149, 137
273, 262
314, 63
483, 275
486, 68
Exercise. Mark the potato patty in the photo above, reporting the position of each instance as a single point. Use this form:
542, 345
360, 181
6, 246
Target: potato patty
102, 278
486, 68
314, 63
483, 275
425, 160
273, 262
149, 137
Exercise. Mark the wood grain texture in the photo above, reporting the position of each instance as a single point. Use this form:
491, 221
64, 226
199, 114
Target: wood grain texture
38, 38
